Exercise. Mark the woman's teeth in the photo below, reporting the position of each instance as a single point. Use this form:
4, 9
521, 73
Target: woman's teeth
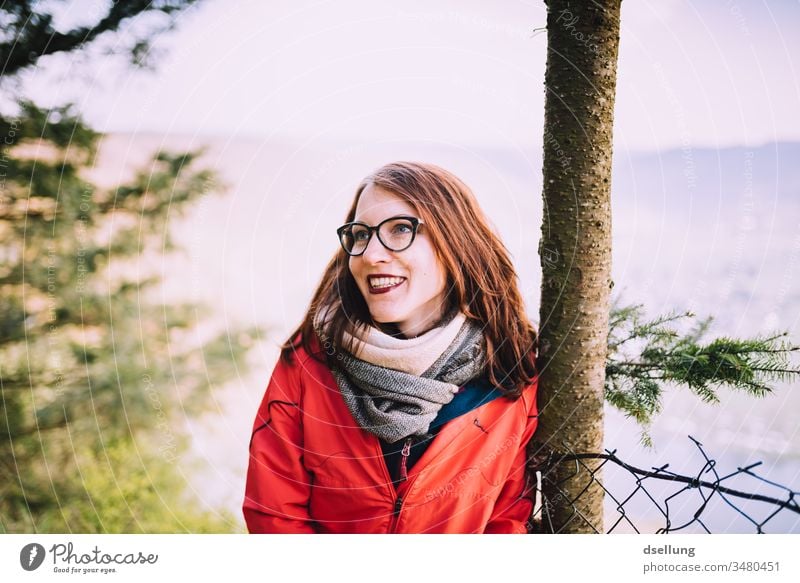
384, 282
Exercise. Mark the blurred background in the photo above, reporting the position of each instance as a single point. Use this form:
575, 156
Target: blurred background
143, 309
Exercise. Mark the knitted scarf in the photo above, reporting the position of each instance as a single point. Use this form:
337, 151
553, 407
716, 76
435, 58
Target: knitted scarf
395, 387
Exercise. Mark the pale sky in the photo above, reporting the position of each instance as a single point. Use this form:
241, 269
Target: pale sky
706, 73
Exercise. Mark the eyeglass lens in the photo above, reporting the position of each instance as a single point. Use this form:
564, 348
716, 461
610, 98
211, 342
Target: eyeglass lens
395, 234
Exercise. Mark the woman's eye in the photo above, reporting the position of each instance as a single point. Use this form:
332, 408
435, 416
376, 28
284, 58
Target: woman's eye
360, 235
401, 229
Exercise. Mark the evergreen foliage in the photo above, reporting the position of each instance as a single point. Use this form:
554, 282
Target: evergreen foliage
645, 356
96, 377
32, 29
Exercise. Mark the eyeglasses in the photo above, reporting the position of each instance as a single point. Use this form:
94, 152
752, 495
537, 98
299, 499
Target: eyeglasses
394, 233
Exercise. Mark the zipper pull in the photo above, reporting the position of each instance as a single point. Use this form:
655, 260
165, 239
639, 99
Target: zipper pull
404, 453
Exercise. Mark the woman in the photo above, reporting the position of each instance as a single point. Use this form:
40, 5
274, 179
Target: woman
404, 401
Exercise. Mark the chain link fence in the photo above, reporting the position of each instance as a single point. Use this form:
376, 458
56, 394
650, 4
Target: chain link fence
661, 501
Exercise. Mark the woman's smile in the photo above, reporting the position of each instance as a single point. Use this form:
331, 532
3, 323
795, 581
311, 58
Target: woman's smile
380, 284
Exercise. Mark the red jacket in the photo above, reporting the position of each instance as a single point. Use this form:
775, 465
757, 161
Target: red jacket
313, 469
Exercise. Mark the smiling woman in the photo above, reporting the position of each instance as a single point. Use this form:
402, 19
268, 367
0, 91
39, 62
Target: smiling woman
406, 398
405, 289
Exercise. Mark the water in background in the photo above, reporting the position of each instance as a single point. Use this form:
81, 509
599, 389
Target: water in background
716, 232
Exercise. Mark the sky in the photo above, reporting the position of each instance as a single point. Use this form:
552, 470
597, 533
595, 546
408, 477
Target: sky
706, 73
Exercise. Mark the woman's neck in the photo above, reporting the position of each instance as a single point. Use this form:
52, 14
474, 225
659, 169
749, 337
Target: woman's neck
394, 330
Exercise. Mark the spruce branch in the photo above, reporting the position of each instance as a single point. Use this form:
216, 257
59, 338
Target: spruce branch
646, 355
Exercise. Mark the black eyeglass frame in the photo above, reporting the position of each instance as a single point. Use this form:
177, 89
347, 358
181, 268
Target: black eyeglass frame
415, 224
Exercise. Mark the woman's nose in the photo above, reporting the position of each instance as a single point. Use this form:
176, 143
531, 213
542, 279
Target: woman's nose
375, 251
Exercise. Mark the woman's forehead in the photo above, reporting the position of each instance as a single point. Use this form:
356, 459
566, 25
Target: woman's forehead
376, 204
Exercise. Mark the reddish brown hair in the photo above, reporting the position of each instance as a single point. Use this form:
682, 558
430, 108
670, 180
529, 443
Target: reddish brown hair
480, 276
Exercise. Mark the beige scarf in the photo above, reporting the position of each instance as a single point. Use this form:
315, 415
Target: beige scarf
413, 355
395, 387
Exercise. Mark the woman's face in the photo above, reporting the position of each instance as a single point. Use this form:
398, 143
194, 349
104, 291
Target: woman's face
413, 296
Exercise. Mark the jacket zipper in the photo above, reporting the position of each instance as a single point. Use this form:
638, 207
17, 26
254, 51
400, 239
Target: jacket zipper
406, 451
398, 503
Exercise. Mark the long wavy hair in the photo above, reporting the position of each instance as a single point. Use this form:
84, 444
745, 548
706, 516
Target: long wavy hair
481, 280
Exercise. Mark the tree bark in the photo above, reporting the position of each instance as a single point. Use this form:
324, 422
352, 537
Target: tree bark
575, 255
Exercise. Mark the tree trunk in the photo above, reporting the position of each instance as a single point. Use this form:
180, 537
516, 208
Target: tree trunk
575, 254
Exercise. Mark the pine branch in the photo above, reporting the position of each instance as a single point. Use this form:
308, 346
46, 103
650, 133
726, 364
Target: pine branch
635, 383
32, 35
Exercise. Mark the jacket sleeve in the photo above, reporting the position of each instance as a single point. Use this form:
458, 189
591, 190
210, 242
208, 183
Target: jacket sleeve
278, 487
514, 505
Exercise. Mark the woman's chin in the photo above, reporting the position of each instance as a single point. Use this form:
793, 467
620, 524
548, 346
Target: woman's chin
386, 319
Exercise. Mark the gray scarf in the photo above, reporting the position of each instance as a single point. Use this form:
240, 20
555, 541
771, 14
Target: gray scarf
394, 404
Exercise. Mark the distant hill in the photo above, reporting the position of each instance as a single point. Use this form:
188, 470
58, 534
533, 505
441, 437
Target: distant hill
723, 178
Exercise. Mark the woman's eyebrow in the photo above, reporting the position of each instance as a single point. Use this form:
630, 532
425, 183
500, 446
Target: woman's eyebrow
395, 216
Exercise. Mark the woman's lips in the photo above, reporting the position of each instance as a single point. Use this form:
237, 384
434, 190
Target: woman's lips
384, 284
